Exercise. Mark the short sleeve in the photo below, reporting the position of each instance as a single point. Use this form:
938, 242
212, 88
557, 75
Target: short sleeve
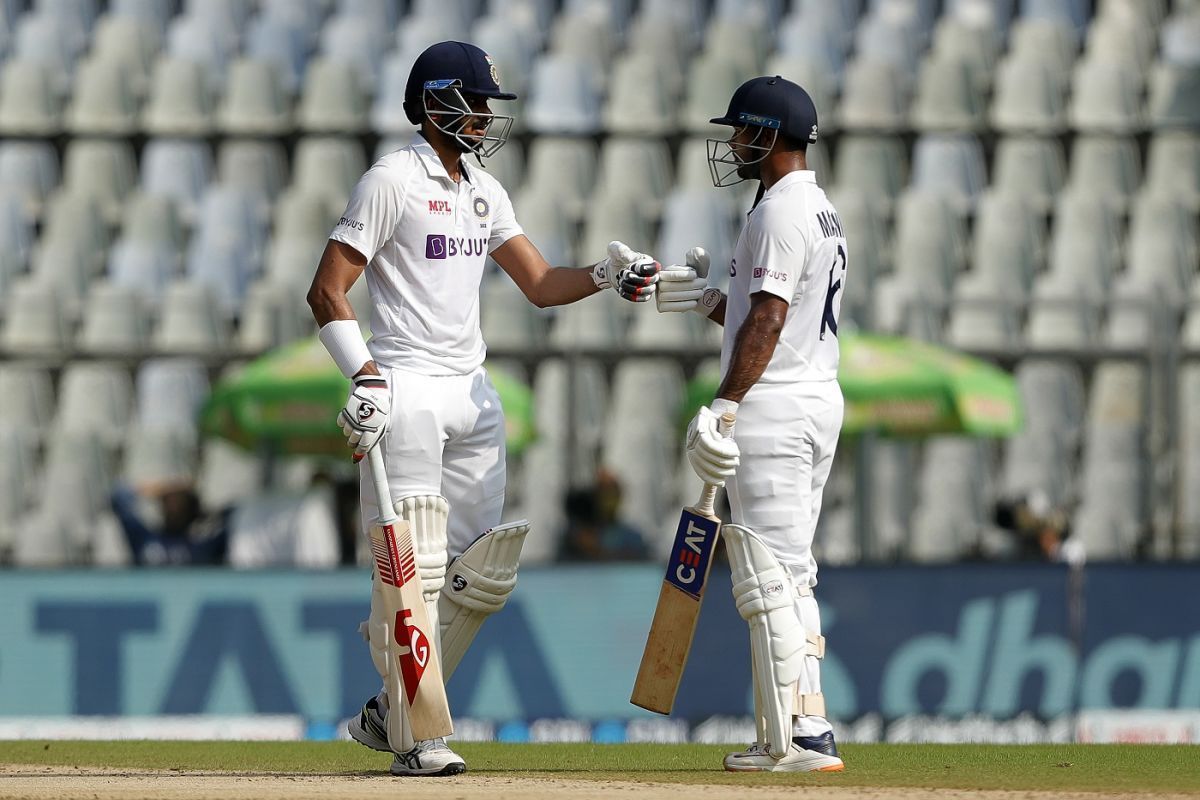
372, 213
504, 221
778, 252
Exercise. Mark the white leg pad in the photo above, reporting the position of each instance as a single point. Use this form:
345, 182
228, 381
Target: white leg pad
427, 515
478, 585
764, 595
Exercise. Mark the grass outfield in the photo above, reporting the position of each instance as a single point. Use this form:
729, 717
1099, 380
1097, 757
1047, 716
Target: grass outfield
1120, 769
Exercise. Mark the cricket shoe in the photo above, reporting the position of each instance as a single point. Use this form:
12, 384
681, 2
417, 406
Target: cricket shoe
370, 727
805, 754
432, 757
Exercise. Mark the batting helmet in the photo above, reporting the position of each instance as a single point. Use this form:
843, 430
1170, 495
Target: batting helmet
774, 106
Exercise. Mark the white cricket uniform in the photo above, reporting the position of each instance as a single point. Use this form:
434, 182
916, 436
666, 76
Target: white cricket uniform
792, 246
426, 241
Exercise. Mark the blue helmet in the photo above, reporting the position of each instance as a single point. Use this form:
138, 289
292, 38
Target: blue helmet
440, 79
774, 106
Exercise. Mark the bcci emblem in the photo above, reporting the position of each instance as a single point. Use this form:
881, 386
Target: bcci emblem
495, 73
481, 207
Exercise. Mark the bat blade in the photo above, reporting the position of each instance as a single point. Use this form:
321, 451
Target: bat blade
674, 624
414, 674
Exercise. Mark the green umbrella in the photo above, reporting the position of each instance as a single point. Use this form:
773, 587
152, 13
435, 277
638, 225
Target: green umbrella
287, 401
903, 387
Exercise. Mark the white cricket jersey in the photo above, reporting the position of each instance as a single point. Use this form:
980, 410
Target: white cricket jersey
792, 246
426, 241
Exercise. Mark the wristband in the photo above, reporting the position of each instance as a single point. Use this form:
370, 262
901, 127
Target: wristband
709, 301
343, 339
721, 406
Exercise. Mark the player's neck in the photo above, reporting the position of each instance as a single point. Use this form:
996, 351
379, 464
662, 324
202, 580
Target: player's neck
777, 165
447, 153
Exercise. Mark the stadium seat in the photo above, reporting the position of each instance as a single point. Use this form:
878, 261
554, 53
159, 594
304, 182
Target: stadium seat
974, 46
954, 497
564, 169
169, 392
163, 454
357, 41
1085, 246
1060, 318
180, 101
333, 100
18, 477
300, 214
255, 103
597, 324
254, 165
1105, 167
1106, 97
1163, 245
979, 320
271, 315
292, 260
66, 266
27, 398
639, 100
1173, 93
1071, 15
948, 98
179, 170
544, 480
564, 96
875, 97
387, 110
132, 44
41, 38
697, 217
509, 321
1173, 168
227, 474
1007, 245
889, 38
951, 166
711, 82
738, 41
329, 167
611, 220
876, 166
116, 321
28, 172
102, 169
94, 399
930, 243
635, 171
587, 33
283, 42
547, 225
891, 468
1188, 495
572, 393
156, 13
78, 219
1029, 98
1179, 39
1031, 168
29, 102
35, 322
1117, 39
192, 322
103, 103
1136, 313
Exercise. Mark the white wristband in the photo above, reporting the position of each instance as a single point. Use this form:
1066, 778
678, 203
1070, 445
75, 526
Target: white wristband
344, 341
721, 406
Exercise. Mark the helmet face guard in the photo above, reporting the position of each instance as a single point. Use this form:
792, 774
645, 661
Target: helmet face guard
724, 163
448, 110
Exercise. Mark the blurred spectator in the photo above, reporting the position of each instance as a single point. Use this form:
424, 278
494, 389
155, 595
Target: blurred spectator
183, 535
1038, 528
594, 529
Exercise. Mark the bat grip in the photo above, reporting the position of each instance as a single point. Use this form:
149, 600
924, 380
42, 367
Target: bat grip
708, 497
383, 493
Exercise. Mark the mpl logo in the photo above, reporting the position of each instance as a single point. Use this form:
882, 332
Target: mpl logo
439, 206
692, 552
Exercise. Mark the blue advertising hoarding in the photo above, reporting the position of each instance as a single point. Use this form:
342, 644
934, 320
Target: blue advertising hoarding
955, 641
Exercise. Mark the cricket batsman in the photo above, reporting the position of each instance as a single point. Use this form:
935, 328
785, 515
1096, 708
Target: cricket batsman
421, 223
779, 364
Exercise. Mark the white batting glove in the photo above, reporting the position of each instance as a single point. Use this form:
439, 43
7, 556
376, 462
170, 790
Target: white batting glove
685, 288
633, 275
712, 455
368, 411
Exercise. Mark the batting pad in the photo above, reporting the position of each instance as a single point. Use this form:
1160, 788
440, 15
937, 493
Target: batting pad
764, 595
478, 584
427, 515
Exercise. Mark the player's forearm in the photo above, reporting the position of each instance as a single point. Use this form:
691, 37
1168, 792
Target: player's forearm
329, 303
752, 351
559, 286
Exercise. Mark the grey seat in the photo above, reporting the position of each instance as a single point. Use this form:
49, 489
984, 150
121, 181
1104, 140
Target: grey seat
1030, 167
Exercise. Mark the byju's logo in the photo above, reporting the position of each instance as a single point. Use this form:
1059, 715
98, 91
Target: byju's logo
435, 245
439, 246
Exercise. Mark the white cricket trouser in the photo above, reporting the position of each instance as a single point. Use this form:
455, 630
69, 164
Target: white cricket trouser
446, 437
787, 435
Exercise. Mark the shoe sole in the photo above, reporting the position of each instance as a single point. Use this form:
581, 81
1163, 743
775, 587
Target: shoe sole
830, 768
455, 768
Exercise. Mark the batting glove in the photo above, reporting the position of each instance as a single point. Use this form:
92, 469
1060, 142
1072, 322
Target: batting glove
685, 288
368, 411
633, 275
713, 455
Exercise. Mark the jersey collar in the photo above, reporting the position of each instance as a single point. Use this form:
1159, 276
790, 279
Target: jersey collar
433, 164
795, 176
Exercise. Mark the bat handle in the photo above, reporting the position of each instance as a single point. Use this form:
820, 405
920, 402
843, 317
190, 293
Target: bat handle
708, 497
383, 493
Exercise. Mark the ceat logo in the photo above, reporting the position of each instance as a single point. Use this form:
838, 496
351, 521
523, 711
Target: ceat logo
439, 206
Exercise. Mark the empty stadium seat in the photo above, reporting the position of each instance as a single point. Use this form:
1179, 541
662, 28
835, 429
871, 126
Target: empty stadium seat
328, 167
639, 100
333, 99
563, 169
192, 322
1106, 97
254, 165
358, 41
948, 98
180, 101
179, 170
94, 399
271, 316
1173, 93
875, 97
29, 171
1105, 167
30, 104
1173, 168
564, 96
35, 323
103, 169
508, 320
116, 321
951, 166
1032, 168
103, 103
255, 102
282, 41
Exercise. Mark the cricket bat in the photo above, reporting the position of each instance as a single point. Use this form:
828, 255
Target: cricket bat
678, 607
414, 672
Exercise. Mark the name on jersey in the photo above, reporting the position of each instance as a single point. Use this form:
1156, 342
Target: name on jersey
439, 245
353, 224
439, 207
831, 223
773, 274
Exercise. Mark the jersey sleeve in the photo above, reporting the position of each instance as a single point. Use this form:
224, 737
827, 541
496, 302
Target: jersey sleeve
778, 252
504, 221
372, 213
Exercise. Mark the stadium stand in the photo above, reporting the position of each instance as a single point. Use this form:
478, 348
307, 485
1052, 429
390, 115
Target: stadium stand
1019, 178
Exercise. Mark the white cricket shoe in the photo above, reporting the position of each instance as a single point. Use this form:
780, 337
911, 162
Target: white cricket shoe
804, 754
432, 757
